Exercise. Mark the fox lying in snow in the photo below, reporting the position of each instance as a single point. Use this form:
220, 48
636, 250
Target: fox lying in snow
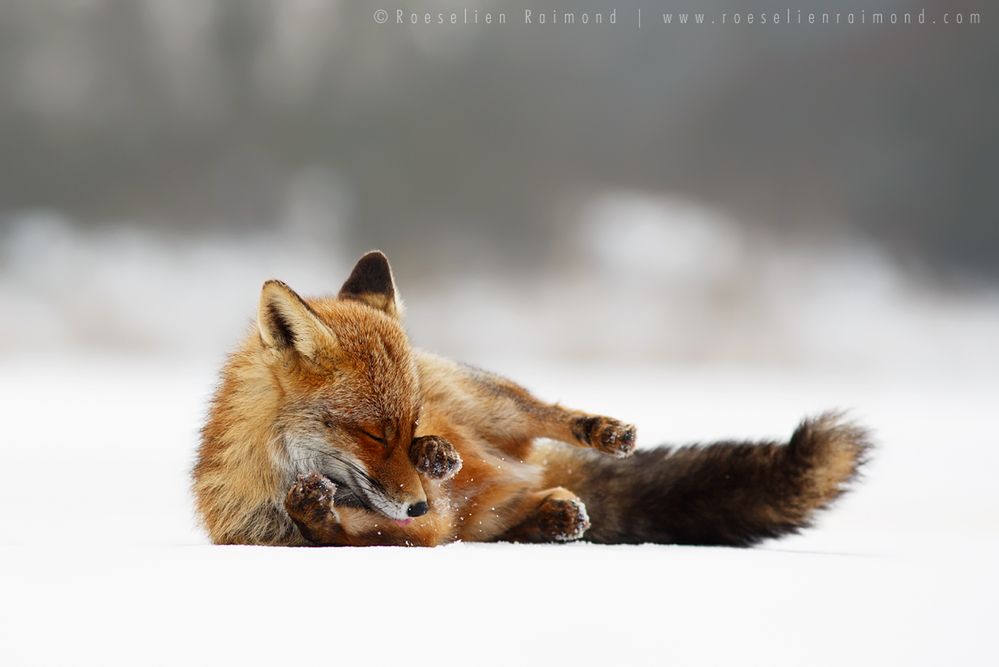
329, 429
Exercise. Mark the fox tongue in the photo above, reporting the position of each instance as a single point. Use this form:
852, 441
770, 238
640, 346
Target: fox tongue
403, 522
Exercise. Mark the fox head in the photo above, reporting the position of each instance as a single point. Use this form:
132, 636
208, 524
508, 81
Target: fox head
349, 395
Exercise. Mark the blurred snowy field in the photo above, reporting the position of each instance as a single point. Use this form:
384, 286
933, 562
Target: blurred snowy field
667, 281
103, 562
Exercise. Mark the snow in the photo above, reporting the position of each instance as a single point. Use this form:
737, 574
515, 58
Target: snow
103, 562
665, 280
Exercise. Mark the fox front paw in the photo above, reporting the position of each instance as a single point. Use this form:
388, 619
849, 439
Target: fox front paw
605, 434
435, 457
310, 498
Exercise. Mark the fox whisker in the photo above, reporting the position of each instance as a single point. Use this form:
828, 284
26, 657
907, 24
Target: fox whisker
363, 484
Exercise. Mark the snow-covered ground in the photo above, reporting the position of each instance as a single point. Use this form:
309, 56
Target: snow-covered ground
103, 562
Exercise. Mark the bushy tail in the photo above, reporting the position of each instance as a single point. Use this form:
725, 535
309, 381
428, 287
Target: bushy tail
727, 493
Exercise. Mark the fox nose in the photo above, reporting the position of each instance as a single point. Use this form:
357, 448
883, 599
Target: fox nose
417, 509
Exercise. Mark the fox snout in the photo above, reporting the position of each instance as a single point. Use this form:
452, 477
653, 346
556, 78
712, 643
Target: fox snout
418, 509
403, 497
401, 506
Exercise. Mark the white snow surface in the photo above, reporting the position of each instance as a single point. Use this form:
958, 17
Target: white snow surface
103, 562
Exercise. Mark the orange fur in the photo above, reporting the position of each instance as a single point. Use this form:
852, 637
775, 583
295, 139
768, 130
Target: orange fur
331, 373
329, 428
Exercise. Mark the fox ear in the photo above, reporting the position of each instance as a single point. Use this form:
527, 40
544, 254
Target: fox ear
371, 282
285, 321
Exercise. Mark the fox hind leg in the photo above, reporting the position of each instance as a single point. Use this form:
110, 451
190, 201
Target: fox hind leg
515, 412
552, 515
603, 433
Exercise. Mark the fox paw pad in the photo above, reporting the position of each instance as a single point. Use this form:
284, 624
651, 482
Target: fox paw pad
564, 520
605, 434
435, 457
310, 495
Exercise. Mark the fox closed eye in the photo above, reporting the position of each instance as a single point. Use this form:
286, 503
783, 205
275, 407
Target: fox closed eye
329, 422
372, 436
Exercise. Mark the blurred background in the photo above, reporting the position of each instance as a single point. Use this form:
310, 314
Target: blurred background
765, 195
707, 230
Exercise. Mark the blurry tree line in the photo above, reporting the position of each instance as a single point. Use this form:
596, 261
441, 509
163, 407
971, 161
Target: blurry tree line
195, 113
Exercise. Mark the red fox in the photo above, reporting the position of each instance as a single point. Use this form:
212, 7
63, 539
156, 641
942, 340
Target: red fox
328, 428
